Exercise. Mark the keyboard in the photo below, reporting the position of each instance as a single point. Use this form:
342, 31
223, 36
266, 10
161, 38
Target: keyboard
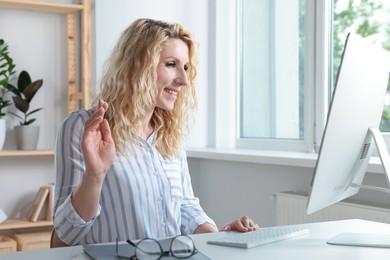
259, 237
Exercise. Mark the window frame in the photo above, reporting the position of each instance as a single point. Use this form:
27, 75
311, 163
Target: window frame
222, 101
316, 81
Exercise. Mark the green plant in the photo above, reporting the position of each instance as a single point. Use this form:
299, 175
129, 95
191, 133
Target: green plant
25, 92
6, 71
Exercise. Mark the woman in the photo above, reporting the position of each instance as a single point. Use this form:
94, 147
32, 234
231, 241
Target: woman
121, 168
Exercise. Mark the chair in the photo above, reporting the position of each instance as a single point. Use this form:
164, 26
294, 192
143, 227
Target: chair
55, 241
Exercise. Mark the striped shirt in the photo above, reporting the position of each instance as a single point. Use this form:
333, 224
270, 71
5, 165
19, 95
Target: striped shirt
143, 195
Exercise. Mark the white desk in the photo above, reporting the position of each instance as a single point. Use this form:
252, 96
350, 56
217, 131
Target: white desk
312, 246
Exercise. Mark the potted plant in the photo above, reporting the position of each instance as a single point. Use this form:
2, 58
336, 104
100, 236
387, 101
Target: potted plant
6, 71
26, 134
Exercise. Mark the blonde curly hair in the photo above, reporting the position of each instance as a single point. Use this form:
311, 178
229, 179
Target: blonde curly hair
128, 84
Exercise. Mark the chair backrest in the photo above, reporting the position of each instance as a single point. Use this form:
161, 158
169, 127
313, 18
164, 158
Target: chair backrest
55, 241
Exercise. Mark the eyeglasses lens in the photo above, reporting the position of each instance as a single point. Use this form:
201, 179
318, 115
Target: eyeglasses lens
182, 247
148, 249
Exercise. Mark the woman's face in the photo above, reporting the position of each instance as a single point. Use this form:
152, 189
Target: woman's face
171, 73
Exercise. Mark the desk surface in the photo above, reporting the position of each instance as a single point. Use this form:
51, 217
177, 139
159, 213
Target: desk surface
312, 246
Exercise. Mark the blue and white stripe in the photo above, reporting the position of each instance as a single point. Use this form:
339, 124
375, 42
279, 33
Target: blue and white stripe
143, 195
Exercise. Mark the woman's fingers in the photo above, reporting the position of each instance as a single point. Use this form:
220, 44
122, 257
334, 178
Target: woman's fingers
96, 118
106, 131
245, 221
243, 224
249, 223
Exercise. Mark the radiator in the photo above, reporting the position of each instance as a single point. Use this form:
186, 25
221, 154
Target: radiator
291, 209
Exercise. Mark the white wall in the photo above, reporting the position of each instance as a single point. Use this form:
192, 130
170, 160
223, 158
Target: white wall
37, 43
228, 190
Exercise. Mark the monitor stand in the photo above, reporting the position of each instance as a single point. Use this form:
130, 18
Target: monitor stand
384, 157
382, 150
368, 239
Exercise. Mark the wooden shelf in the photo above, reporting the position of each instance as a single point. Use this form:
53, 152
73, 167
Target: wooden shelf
15, 223
26, 152
28, 5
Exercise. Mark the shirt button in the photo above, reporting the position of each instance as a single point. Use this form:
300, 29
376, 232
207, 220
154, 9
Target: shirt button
155, 173
160, 198
162, 225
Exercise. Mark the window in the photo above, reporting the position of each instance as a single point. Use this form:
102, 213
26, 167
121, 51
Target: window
368, 18
289, 53
272, 73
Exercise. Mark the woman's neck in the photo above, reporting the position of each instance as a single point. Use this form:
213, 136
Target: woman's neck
147, 128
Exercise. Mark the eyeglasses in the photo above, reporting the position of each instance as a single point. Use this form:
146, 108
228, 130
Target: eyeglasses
150, 249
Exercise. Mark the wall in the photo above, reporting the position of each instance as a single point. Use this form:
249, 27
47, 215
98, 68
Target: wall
228, 190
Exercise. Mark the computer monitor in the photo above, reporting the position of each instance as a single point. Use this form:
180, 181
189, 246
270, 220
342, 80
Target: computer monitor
352, 124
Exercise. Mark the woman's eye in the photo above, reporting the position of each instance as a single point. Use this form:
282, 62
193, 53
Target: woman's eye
171, 64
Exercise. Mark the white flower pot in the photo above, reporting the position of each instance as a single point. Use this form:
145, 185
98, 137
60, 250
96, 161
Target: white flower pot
26, 137
3, 131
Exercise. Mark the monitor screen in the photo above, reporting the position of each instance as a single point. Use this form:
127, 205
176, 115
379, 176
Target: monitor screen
356, 106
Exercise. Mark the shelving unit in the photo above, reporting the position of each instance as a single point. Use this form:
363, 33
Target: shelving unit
76, 97
15, 223
28, 5
26, 153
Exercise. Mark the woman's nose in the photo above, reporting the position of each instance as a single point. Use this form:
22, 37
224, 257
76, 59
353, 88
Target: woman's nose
182, 78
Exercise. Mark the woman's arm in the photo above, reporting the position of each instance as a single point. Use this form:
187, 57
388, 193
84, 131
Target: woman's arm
244, 224
99, 153
77, 188
205, 228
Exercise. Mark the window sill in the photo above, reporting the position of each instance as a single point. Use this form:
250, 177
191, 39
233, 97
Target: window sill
295, 159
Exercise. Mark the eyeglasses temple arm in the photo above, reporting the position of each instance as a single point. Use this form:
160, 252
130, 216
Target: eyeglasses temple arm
130, 242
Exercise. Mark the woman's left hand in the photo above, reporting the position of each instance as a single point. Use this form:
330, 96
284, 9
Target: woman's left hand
244, 224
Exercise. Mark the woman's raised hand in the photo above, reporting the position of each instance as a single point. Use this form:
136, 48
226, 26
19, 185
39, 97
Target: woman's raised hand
97, 144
